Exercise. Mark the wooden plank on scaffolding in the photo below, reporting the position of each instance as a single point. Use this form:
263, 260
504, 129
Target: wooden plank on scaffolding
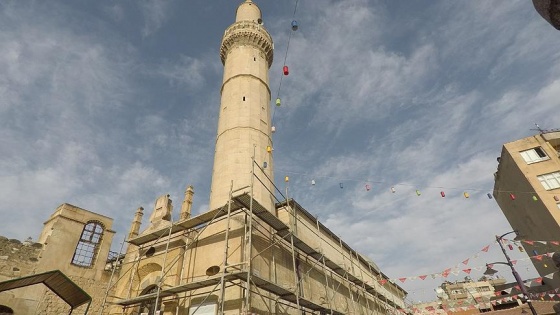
180, 226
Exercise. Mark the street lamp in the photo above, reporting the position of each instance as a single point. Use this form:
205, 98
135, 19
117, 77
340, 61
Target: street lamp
489, 271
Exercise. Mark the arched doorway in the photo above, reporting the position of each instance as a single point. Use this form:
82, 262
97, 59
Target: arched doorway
149, 307
4, 310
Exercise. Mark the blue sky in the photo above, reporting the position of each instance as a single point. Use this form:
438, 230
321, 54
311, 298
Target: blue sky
108, 104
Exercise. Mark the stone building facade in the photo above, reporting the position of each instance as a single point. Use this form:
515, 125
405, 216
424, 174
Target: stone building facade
74, 241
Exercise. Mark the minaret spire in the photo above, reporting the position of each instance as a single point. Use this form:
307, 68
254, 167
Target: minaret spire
135, 226
244, 125
187, 203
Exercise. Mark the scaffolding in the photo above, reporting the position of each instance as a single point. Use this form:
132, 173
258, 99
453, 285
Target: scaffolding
356, 277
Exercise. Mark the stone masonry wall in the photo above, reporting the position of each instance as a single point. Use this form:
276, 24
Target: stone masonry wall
17, 258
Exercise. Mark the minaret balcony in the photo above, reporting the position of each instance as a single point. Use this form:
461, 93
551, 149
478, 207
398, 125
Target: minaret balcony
247, 33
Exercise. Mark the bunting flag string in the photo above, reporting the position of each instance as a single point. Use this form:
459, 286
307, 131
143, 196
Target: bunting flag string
456, 270
442, 192
478, 303
467, 271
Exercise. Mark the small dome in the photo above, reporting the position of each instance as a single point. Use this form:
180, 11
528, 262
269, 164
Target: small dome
248, 11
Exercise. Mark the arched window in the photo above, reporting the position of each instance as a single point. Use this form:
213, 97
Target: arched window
149, 307
88, 245
4, 310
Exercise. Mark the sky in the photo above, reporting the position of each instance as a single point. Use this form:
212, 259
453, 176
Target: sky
109, 104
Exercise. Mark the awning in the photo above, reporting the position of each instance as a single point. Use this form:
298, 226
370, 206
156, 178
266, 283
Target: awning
55, 280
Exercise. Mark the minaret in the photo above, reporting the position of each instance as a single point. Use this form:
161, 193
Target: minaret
244, 126
135, 226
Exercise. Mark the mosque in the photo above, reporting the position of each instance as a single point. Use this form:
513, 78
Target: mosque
255, 251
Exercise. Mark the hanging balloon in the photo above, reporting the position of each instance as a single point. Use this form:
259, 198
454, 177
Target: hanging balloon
520, 248
268, 149
489, 195
393, 190
512, 196
313, 182
341, 186
273, 129
286, 179
418, 192
535, 198
265, 164
368, 187
294, 25
278, 102
466, 194
442, 194
556, 198
286, 70
510, 247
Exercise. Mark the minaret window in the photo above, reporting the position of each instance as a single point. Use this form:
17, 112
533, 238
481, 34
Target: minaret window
534, 155
88, 246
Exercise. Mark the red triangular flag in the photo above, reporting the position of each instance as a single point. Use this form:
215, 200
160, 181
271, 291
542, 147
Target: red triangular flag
382, 282
538, 257
513, 262
466, 261
422, 277
529, 242
402, 279
467, 271
555, 243
446, 272
485, 249
539, 280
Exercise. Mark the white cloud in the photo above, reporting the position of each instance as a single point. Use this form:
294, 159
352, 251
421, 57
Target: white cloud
186, 72
155, 14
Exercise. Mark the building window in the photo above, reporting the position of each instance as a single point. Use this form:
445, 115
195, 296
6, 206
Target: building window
88, 245
534, 155
550, 181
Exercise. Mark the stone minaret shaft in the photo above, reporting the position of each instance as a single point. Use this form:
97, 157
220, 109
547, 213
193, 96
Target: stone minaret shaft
244, 126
